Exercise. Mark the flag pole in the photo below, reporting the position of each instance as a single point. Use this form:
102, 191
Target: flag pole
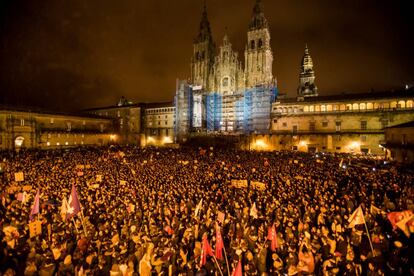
83, 224
369, 237
74, 223
218, 266
227, 262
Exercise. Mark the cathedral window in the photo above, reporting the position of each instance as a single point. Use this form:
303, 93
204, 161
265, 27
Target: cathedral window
260, 44
252, 44
225, 82
225, 54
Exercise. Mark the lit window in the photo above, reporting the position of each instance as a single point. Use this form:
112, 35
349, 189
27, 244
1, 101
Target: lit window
52, 120
225, 82
338, 126
21, 122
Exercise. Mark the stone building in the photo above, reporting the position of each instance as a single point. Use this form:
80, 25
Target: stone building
399, 142
159, 124
339, 123
21, 128
127, 118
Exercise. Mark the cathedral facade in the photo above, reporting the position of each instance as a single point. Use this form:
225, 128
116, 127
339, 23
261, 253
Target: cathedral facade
223, 95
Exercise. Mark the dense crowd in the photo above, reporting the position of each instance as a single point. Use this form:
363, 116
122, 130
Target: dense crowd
139, 213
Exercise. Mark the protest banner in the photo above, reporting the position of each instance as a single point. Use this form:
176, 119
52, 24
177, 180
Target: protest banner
258, 185
35, 228
19, 177
242, 183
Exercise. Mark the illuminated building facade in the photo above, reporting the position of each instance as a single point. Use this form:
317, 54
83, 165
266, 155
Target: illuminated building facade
222, 96
20, 128
159, 124
339, 123
127, 118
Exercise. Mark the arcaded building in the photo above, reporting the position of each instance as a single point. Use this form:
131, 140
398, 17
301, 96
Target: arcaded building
22, 128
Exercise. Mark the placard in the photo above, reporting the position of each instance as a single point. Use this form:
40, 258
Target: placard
19, 177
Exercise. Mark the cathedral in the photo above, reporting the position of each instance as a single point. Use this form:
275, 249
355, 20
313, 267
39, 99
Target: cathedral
221, 70
223, 95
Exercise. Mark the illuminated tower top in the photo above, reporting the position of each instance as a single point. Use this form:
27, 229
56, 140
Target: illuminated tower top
204, 33
202, 61
258, 20
307, 87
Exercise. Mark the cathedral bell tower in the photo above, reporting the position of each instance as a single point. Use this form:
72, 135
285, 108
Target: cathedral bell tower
307, 87
258, 53
202, 61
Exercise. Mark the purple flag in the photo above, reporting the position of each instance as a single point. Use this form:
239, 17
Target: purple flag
35, 209
73, 207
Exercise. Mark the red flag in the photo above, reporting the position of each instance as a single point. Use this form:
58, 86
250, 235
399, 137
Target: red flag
219, 244
205, 250
395, 217
35, 209
169, 230
238, 271
271, 235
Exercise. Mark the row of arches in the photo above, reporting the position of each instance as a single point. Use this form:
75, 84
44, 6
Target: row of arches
402, 104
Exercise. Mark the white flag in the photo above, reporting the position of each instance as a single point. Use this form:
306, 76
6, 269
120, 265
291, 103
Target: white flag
198, 207
356, 218
253, 211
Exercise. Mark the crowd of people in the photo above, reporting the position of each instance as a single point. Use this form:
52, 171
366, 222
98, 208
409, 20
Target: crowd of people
146, 211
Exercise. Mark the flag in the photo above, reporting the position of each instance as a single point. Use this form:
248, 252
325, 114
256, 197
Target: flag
271, 235
340, 163
219, 243
396, 217
238, 271
220, 216
131, 208
403, 224
35, 209
73, 204
253, 211
375, 210
198, 207
21, 197
356, 218
64, 209
205, 250
169, 230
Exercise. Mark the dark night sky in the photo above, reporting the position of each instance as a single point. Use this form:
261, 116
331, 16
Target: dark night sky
73, 54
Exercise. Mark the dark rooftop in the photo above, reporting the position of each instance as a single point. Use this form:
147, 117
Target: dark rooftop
38, 110
403, 125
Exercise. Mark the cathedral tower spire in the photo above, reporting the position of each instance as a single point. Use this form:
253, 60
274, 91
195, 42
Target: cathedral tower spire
258, 20
307, 87
258, 53
202, 61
